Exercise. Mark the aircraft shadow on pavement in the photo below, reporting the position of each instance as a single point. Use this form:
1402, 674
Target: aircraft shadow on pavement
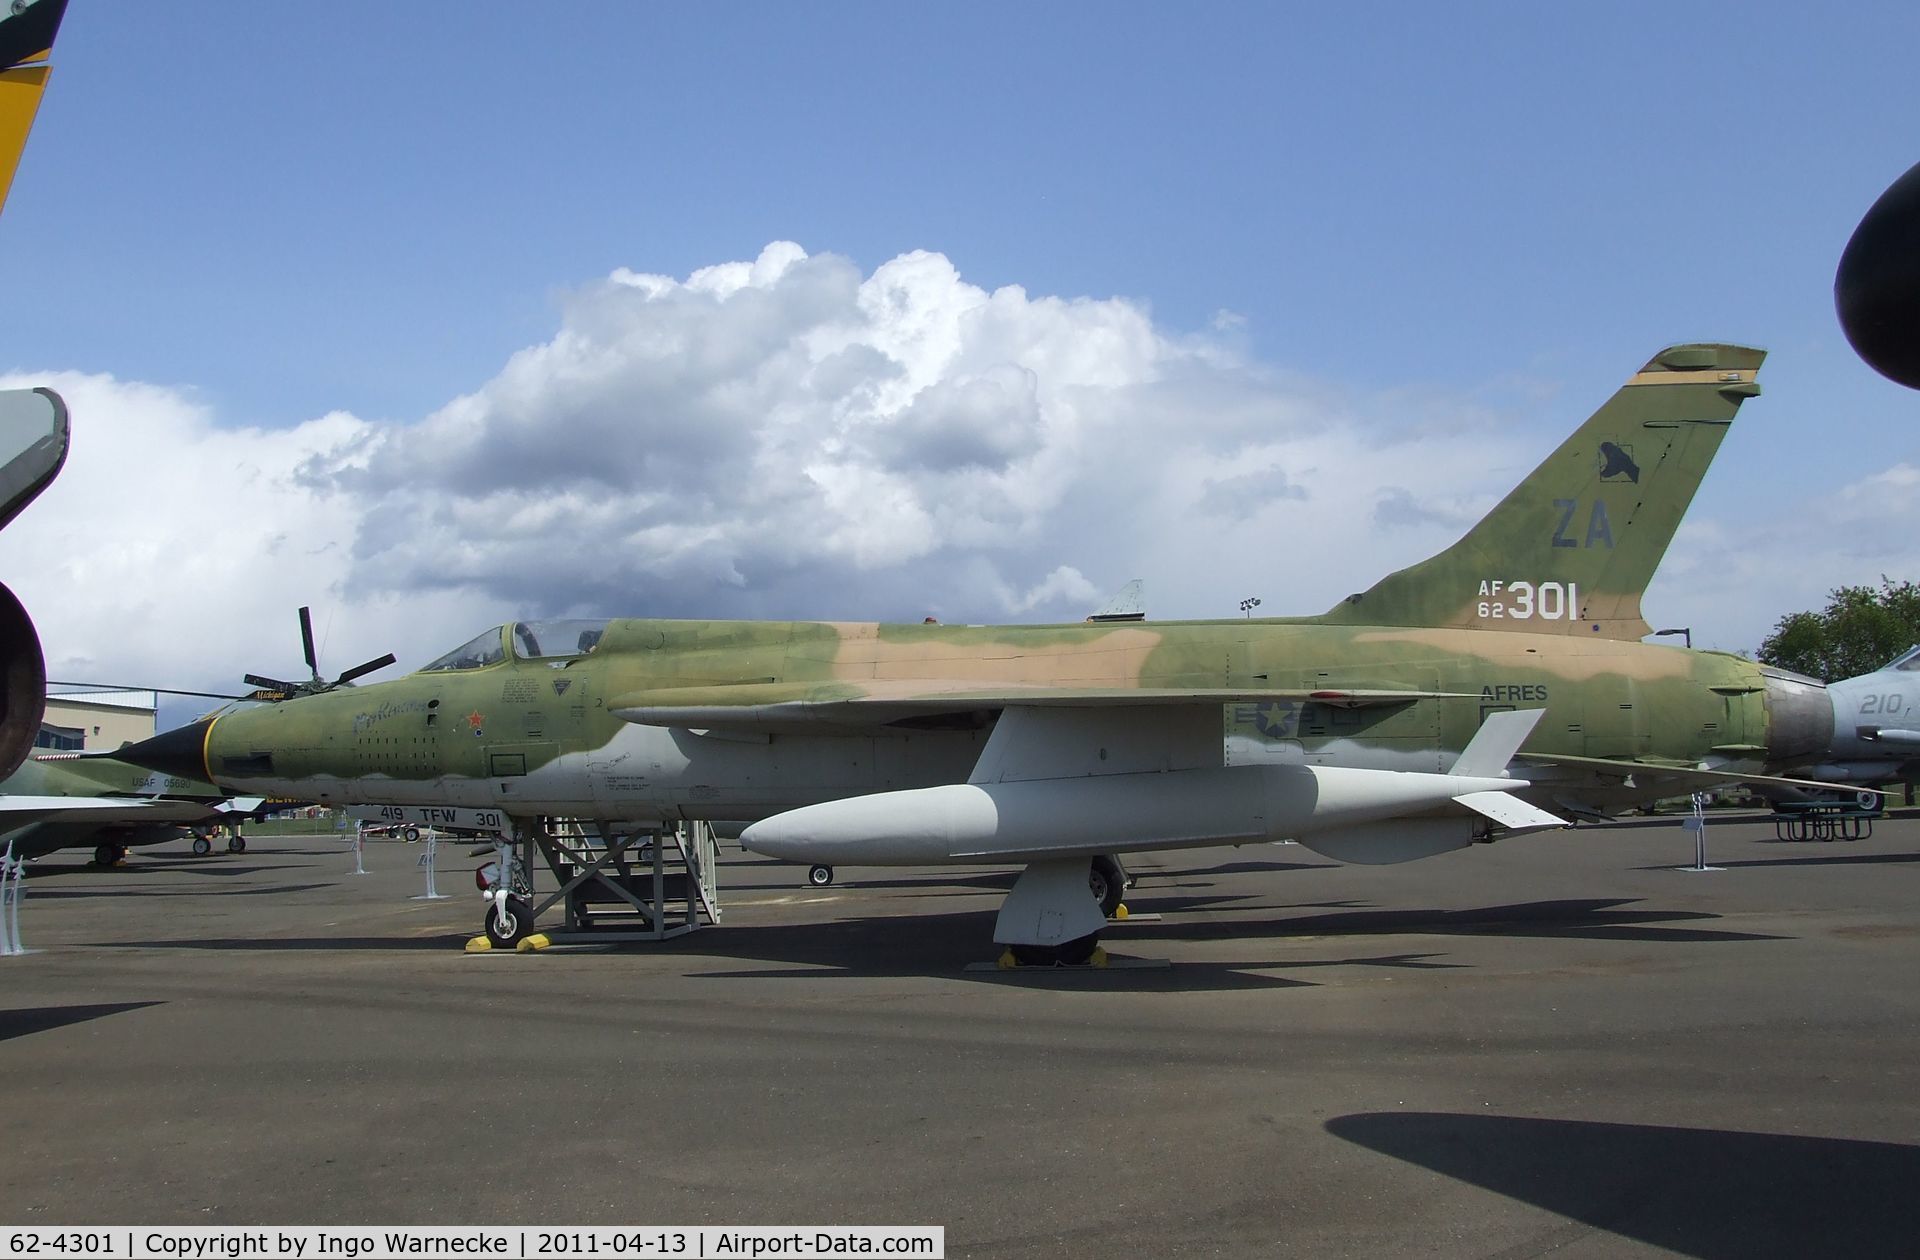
1230, 868
1699, 1192
945, 944
1826, 859
64, 894
137, 869
1602, 919
447, 942
993, 881
33, 1019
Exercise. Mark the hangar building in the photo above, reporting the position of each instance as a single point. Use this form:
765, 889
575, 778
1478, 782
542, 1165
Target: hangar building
97, 721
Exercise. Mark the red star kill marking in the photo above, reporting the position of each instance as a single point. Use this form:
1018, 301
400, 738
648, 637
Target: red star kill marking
475, 720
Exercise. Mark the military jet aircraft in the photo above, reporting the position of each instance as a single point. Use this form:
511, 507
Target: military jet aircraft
1873, 733
1056, 745
124, 806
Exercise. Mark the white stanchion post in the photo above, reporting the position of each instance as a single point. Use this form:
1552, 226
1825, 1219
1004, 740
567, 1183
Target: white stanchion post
427, 860
1696, 822
359, 850
9, 907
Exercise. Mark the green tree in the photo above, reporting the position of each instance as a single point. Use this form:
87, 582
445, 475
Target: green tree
1860, 630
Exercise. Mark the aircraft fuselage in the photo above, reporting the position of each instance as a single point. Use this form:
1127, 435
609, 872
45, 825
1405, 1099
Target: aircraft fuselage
544, 735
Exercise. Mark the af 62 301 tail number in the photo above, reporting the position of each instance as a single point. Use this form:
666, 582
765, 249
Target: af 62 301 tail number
1529, 601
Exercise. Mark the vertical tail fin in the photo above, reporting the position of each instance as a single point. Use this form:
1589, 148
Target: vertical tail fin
1572, 548
26, 41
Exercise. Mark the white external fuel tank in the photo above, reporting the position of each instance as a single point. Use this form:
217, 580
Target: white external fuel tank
1042, 818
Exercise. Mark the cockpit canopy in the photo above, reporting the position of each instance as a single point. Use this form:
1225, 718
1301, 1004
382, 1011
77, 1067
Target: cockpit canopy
1907, 661
530, 641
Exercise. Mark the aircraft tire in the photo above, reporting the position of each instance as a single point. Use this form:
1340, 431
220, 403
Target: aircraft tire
410, 834
519, 917
820, 875
1867, 798
237, 844
1107, 879
103, 856
1075, 953
202, 846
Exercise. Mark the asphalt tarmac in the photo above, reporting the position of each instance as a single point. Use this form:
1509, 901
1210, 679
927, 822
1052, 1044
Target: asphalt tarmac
1556, 1044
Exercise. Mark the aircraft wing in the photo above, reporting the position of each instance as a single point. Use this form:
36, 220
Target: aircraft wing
17, 810
1687, 778
771, 708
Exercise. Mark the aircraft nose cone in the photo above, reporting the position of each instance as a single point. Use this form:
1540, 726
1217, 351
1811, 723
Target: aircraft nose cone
181, 751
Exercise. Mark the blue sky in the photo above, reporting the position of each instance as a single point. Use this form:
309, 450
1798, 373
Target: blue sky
279, 212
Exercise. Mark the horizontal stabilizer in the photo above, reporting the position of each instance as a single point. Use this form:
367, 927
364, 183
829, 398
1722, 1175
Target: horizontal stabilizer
1510, 811
1645, 773
33, 446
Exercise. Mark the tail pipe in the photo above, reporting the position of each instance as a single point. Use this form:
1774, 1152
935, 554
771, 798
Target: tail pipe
1799, 718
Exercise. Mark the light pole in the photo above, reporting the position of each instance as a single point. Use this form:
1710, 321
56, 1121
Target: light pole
1248, 604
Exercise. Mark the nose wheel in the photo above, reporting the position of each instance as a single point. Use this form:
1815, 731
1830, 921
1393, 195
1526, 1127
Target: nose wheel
508, 921
202, 846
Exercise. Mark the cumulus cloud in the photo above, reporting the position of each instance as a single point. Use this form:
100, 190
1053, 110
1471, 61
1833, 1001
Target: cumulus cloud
781, 437
1739, 577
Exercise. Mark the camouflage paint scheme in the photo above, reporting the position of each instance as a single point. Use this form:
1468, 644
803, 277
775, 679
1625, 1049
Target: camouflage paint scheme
157, 806
1538, 606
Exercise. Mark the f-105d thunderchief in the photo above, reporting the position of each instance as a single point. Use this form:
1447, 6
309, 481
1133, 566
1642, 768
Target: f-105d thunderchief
1497, 688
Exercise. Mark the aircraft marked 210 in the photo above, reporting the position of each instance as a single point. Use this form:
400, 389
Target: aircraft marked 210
1061, 746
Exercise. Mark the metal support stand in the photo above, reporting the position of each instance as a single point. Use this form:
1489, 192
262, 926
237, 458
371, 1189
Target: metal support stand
1697, 824
615, 886
12, 873
426, 860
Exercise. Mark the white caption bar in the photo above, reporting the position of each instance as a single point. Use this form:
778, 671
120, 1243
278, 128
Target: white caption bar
653, 1242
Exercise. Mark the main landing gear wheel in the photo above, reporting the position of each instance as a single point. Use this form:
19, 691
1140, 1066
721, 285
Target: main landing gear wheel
237, 844
820, 875
202, 846
410, 835
1867, 798
508, 922
1108, 881
1075, 953
109, 855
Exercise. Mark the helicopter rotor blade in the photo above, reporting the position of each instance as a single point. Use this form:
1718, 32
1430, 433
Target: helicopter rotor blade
306, 639
368, 668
